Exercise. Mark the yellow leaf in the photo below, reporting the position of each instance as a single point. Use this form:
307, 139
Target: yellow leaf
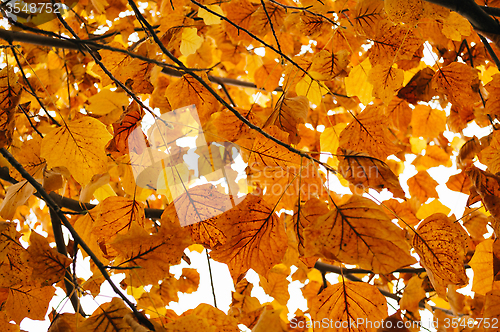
359, 232
413, 294
106, 101
190, 41
357, 84
313, 90
269, 320
441, 245
456, 27
329, 65
346, 302
15, 196
209, 18
432, 207
329, 141
386, 80
216, 317
482, 263
268, 76
78, 146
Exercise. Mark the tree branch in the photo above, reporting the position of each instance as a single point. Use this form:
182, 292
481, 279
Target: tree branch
76, 237
475, 14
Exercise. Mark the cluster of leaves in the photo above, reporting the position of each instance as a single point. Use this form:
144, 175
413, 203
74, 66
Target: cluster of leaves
308, 90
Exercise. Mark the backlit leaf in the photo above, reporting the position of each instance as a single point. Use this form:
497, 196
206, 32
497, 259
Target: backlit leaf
256, 238
369, 133
349, 301
359, 232
78, 146
441, 245
190, 41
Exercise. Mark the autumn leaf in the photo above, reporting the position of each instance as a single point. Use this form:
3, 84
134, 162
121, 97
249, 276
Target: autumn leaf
31, 301
78, 146
441, 245
108, 317
359, 232
255, 238
288, 114
364, 171
116, 215
349, 301
386, 81
482, 265
422, 186
428, 122
48, 265
153, 254
369, 133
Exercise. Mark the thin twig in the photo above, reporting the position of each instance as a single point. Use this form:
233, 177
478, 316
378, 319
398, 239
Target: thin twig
490, 50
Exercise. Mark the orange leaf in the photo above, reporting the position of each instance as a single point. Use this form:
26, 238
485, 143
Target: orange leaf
365, 171
423, 186
346, 302
48, 265
188, 91
386, 81
359, 232
368, 133
459, 82
108, 317
428, 122
116, 215
152, 253
288, 114
256, 238
441, 245
28, 301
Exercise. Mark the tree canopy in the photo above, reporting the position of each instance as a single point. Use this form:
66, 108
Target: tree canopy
123, 124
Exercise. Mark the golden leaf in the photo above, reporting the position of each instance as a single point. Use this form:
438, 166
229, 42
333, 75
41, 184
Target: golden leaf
491, 311
268, 76
359, 232
413, 294
187, 91
152, 253
459, 82
28, 301
419, 88
482, 265
78, 146
368, 133
441, 245
106, 101
276, 284
256, 238
428, 122
423, 186
329, 65
216, 317
386, 80
349, 301
356, 84
365, 14
364, 171
48, 265
116, 215
108, 317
